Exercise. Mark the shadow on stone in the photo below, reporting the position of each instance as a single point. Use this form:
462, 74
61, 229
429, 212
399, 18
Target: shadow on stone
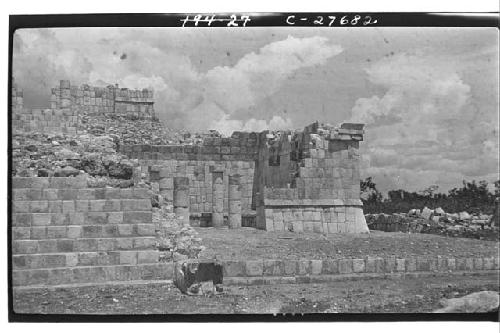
198, 277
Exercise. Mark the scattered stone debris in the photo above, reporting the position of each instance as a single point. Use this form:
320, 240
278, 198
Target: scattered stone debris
93, 149
482, 301
437, 221
36, 155
175, 241
131, 130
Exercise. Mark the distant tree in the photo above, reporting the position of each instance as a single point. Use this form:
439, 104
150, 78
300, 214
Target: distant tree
429, 192
472, 196
369, 192
396, 195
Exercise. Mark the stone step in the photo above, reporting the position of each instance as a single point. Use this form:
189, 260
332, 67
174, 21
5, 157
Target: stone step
81, 218
84, 231
73, 193
74, 259
29, 246
49, 182
91, 274
80, 206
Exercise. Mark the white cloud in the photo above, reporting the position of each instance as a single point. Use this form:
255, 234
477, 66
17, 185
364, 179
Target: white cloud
418, 88
425, 115
228, 126
257, 75
254, 77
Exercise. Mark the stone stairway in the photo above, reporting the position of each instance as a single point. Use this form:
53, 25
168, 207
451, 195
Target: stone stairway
64, 232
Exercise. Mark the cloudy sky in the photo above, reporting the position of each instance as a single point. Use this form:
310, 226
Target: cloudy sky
428, 96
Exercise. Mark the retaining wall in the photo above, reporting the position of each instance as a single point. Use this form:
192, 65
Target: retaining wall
270, 271
304, 271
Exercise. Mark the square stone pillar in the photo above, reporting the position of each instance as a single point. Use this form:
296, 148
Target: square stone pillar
234, 202
181, 199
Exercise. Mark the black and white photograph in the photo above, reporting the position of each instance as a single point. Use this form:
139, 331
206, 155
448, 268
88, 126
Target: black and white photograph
326, 164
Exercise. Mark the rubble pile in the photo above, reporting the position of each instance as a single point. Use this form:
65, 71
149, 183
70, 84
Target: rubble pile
93, 150
437, 221
37, 154
175, 241
130, 130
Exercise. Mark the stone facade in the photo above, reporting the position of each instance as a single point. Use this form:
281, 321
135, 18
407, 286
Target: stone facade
309, 181
198, 164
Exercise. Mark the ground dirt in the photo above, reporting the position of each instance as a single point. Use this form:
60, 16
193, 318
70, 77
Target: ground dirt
401, 295
249, 243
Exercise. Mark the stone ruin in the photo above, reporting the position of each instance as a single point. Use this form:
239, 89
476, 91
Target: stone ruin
301, 181
298, 181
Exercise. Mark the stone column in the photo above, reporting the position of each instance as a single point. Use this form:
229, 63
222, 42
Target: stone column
181, 199
217, 199
234, 202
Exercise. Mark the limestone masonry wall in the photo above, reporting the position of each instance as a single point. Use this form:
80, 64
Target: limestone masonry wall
98, 100
46, 120
234, 155
200, 178
239, 147
68, 102
64, 232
